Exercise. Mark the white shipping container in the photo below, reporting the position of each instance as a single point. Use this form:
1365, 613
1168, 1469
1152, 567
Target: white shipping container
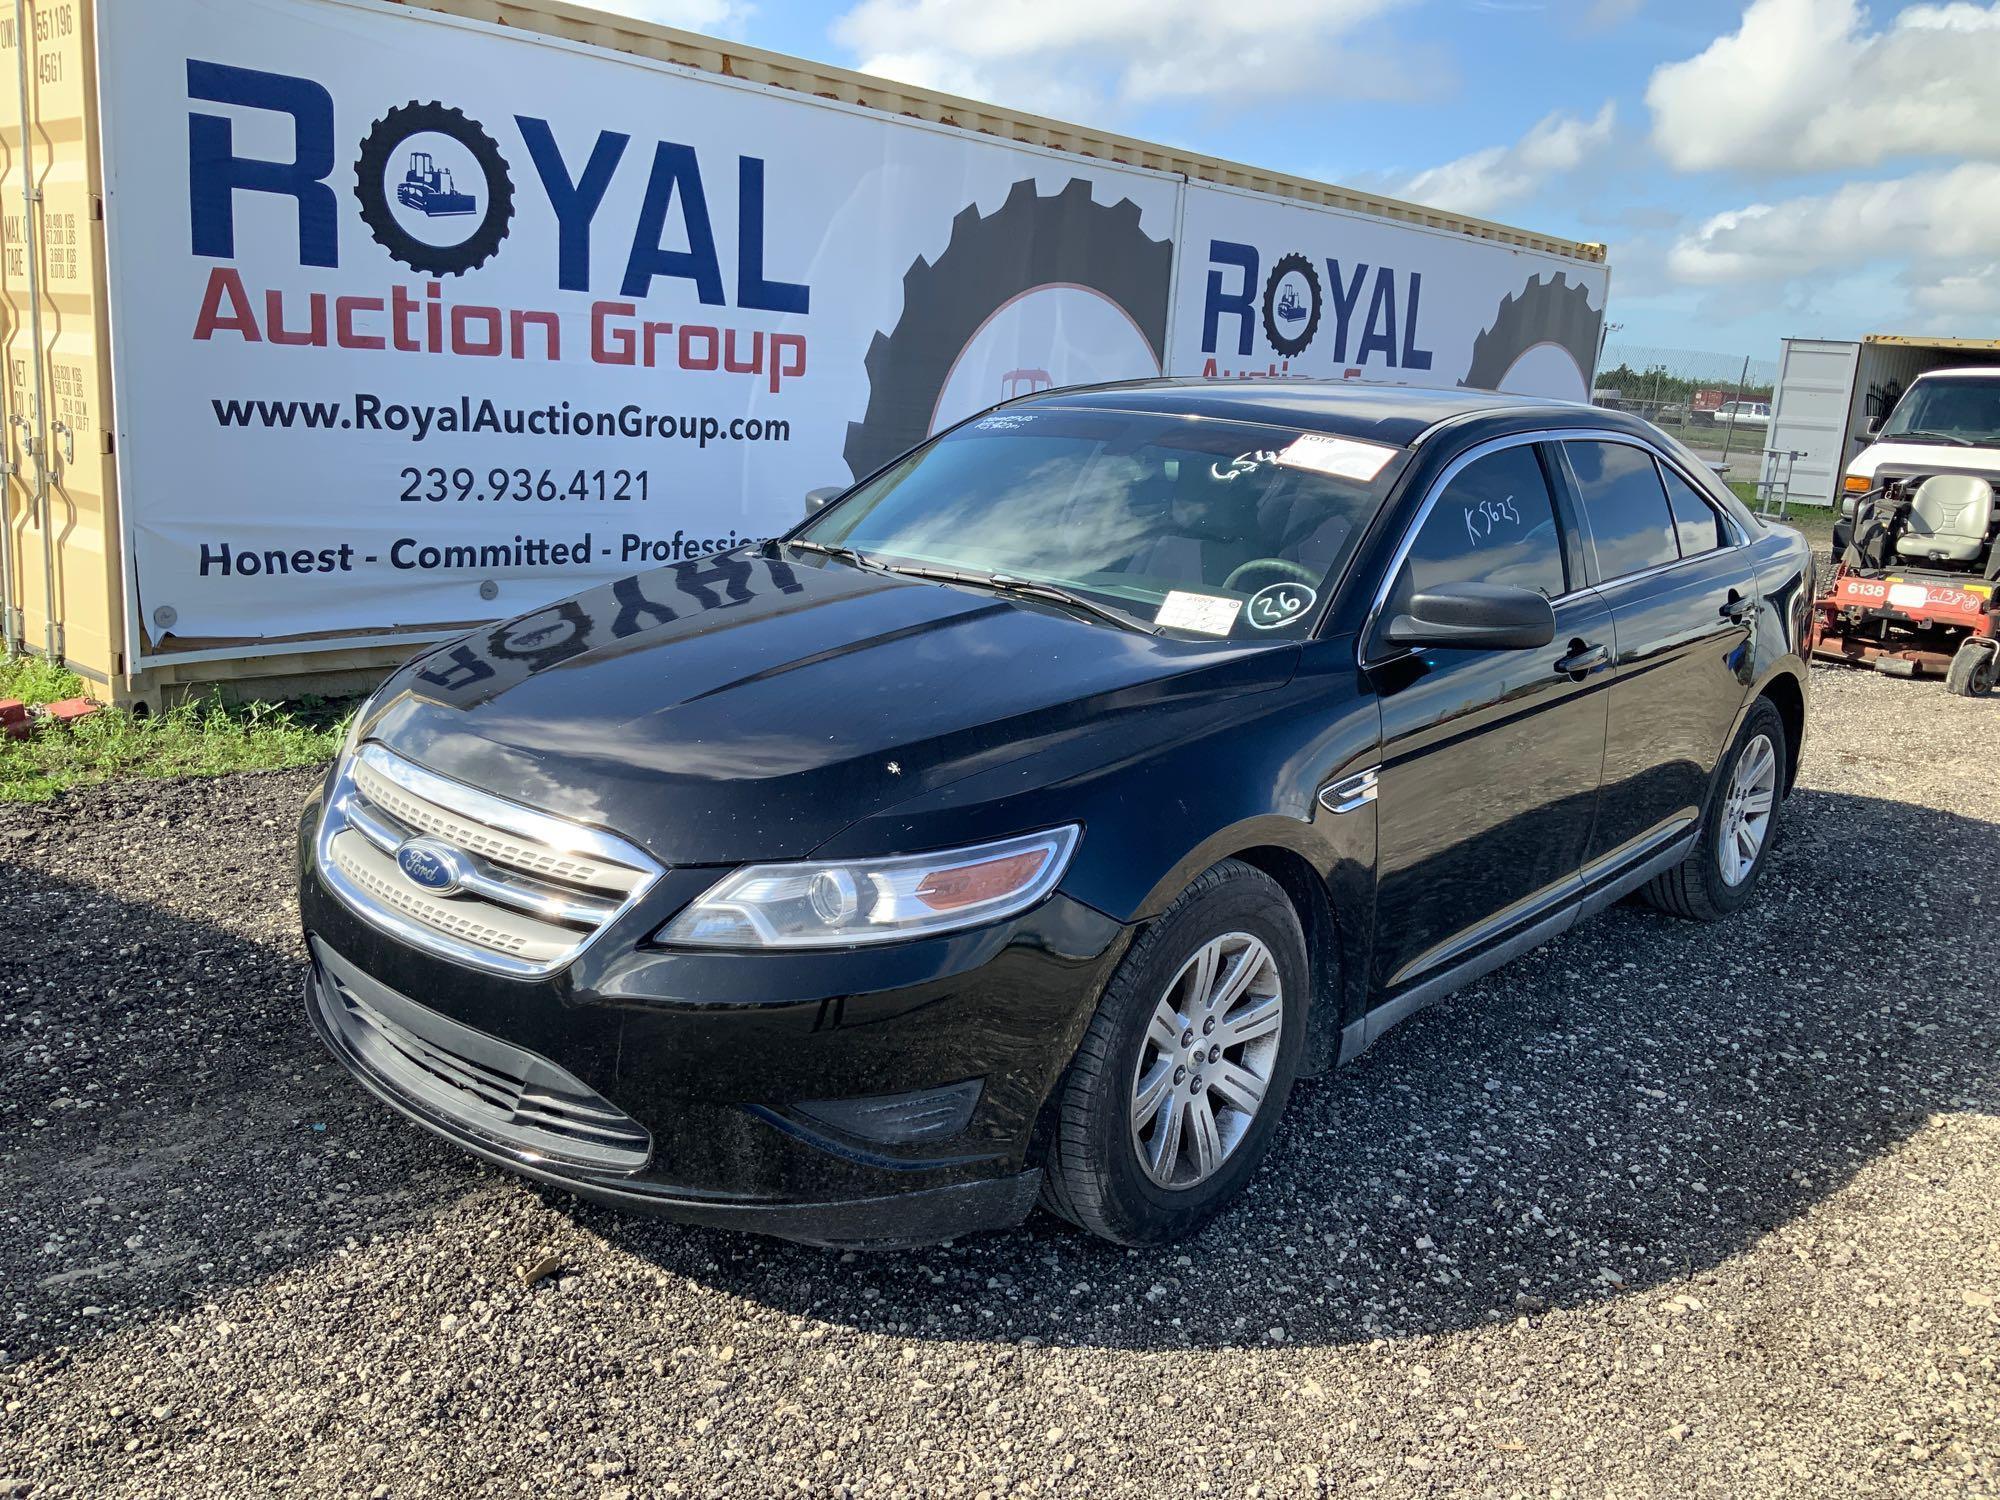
423, 314
1828, 392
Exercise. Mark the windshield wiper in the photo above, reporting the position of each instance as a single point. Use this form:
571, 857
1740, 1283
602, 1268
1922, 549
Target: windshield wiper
844, 554
1032, 588
1926, 435
1027, 588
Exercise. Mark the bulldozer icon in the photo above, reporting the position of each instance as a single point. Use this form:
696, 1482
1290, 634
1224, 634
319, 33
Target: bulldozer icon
1289, 306
428, 188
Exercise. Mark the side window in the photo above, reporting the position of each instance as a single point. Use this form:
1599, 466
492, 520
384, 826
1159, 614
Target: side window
1696, 523
1493, 523
1626, 507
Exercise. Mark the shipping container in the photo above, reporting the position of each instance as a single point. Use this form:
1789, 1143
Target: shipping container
1830, 390
335, 327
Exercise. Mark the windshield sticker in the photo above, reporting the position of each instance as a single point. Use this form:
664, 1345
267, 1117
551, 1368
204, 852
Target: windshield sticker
1005, 421
1277, 605
1342, 458
1203, 613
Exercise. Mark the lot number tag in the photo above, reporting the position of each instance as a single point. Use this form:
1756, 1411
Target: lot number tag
1343, 458
1204, 613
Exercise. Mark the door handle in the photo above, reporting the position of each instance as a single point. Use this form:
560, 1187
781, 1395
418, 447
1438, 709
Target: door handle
1583, 657
1739, 606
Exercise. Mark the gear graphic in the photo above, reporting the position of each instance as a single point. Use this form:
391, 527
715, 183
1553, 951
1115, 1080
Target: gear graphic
1291, 348
1551, 312
371, 172
1029, 241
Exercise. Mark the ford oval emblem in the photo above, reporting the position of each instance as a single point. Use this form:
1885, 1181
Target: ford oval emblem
435, 867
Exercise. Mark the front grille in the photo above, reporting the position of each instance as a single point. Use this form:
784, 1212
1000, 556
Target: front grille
525, 891
504, 1093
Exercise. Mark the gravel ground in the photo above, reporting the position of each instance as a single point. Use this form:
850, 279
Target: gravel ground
1658, 1210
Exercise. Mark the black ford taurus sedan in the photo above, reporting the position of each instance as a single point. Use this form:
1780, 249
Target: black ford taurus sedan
1026, 822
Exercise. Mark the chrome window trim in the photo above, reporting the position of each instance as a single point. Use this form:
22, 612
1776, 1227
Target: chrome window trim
1515, 440
471, 803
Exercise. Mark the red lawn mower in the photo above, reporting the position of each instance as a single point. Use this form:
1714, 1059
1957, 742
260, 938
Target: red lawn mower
1915, 572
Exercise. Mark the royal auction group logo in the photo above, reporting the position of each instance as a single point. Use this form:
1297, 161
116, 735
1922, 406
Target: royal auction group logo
434, 189
1292, 302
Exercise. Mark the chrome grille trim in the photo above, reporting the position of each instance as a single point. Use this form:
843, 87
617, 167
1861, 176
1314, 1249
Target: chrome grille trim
534, 891
502, 831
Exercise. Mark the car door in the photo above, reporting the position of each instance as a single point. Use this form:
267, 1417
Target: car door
1672, 569
1490, 759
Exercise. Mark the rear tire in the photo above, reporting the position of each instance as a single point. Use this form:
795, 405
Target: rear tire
1108, 1169
1720, 872
1970, 674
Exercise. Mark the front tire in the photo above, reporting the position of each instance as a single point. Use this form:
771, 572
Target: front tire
1186, 1066
1970, 674
1738, 828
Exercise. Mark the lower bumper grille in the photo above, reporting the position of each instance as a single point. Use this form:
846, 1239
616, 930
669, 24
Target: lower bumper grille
504, 1093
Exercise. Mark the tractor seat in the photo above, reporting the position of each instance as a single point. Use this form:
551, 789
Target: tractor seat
1949, 518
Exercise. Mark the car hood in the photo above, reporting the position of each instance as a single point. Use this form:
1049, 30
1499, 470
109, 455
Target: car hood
751, 706
1923, 455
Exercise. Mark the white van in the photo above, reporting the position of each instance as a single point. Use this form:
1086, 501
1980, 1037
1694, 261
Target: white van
1943, 411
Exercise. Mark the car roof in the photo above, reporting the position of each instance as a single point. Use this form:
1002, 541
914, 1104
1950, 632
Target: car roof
1975, 372
1396, 414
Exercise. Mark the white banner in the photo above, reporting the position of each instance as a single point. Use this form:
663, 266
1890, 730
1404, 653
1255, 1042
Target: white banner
1270, 287
419, 322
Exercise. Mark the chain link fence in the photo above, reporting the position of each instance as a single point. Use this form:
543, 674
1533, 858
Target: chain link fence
1718, 403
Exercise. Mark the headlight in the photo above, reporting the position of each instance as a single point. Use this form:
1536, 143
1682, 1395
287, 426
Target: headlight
841, 902
353, 741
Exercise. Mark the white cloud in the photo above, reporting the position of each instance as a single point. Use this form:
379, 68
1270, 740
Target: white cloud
1082, 56
1486, 180
1803, 85
1974, 292
1943, 223
715, 17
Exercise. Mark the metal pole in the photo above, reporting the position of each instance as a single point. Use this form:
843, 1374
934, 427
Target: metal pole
1735, 401
31, 199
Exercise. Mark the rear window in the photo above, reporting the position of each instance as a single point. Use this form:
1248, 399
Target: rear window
1696, 523
1631, 525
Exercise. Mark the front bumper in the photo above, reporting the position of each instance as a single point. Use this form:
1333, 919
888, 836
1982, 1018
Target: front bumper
682, 1083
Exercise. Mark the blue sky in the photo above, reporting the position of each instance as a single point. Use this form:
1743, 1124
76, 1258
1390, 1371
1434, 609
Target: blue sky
1758, 169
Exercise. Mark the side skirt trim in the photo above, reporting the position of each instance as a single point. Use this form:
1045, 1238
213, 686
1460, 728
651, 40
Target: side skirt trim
1358, 1036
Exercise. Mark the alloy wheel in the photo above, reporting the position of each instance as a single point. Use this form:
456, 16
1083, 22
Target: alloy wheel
1746, 811
1207, 1059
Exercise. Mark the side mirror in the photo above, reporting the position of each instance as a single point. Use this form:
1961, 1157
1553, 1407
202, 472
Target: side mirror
1477, 617
818, 500
1875, 425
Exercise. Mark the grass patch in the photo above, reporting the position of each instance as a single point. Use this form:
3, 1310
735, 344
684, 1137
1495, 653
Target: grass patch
204, 737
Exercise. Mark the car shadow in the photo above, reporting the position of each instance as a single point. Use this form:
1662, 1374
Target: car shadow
1618, 1112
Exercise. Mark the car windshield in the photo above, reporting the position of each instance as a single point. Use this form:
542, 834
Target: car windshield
1175, 523
1947, 410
